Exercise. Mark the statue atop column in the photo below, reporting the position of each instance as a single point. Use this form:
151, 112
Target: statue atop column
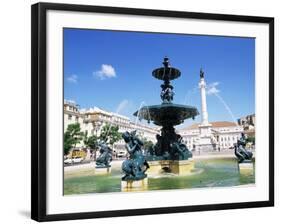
201, 73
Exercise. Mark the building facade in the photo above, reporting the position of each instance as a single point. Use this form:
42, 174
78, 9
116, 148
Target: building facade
71, 113
248, 122
223, 135
92, 121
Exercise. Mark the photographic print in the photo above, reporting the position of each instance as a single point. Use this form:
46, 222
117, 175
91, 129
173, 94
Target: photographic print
170, 111
157, 111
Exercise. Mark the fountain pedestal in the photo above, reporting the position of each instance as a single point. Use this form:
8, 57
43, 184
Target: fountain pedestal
180, 167
134, 185
102, 170
157, 166
246, 167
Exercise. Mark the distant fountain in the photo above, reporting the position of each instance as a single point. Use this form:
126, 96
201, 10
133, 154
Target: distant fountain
169, 154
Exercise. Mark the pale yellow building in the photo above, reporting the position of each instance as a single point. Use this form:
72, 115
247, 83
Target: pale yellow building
92, 120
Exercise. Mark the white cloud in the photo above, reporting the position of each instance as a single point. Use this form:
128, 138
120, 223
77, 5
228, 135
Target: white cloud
72, 78
122, 105
106, 71
212, 89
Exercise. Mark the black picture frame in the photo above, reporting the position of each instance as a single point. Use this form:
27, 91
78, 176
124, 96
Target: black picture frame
39, 121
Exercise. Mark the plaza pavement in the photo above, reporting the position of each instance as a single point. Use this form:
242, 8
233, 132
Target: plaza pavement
118, 162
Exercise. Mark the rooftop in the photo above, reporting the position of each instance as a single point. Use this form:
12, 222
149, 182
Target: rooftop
101, 111
215, 124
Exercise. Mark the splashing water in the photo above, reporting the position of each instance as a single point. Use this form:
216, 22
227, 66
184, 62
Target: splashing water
110, 125
187, 98
149, 117
226, 107
137, 117
144, 106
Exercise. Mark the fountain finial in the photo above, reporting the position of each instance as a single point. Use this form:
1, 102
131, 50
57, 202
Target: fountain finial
201, 73
166, 62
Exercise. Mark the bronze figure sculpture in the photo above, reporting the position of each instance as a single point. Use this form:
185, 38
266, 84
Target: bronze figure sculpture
240, 150
105, 157
135, 166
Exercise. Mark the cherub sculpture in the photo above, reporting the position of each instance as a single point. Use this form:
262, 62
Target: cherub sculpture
105, 156
135, 166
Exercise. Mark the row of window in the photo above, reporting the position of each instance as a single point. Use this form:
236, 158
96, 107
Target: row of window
221, 139
221, 145
71, 108
224, 139
70, 117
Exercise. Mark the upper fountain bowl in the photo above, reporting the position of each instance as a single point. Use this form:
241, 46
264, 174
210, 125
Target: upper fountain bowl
166, 72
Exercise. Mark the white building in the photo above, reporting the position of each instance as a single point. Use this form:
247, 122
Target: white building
223, 135
248, 122
71, 113
93, 119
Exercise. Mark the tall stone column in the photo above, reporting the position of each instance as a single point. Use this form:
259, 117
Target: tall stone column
204, 112
205, 137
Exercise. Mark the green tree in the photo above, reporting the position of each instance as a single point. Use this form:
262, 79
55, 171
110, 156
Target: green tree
67, 143
110, 134
251, 139
72, 137
147, 144
91, 142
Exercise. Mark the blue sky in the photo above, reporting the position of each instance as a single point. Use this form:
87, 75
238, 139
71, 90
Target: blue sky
112, 70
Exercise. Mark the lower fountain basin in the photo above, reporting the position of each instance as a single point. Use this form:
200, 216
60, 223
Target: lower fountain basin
208, 172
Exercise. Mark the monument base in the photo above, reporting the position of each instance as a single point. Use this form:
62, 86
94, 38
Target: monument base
180, 167
134, 185
246, 167
102, 170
